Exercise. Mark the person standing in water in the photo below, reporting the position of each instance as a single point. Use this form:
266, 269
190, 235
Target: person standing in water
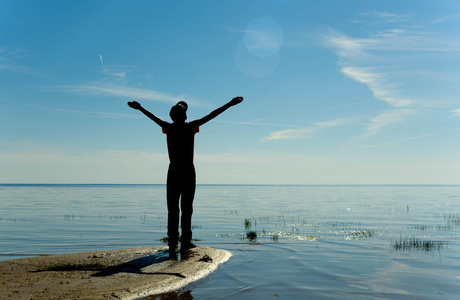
181, 179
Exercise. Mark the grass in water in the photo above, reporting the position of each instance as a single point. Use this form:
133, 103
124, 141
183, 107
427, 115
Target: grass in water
247, 223
251, 235
417, 245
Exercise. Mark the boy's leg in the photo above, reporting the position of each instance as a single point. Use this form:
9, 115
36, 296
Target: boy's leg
186, 217
187, 209
173, 218
172, 197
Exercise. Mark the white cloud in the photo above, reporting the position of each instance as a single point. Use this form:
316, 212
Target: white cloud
290, 134
95, 113
446, 18
377, 45
256, 122
386, 46
348, 47
114, 84
388, 40
390, 61
456, 112
334, 123
117, 71
384, 119
13, 52
397, 141
305, 132
121, 91
8, 61
379, 87
387, 17
15, 68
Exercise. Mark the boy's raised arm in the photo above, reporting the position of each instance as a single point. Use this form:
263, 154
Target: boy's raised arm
218, 111
136, 105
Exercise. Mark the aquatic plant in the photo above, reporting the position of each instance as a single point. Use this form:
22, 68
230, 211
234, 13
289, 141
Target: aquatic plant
143, 218
437, 227
73, 217
452, 219
251, 235
117, 217
247, 223
20, 220
164, 239
420, 227
417, 245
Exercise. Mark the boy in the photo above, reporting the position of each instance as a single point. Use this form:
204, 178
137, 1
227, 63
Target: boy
181, 180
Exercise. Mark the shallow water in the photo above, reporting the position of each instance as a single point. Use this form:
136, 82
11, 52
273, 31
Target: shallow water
319, 242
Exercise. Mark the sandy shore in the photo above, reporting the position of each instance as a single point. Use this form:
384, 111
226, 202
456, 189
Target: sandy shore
115, 274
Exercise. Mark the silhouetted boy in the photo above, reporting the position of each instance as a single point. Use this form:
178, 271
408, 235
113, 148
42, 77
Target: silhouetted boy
181, 181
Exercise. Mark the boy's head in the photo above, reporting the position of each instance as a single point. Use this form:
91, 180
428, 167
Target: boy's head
178, 112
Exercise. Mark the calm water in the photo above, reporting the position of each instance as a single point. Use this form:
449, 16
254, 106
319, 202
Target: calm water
313, 242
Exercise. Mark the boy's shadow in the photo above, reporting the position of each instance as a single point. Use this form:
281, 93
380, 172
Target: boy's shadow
136, 266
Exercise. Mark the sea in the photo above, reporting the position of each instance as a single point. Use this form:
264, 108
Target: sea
288, 242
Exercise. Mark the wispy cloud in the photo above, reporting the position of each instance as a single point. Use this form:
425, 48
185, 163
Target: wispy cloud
378, 85
386, 17
384, 119
117, 71
257, 122
354, 62
456, 112
346, 47
96, 113
305, 132
8, 61
16, 68
446, 18
122, 92
16, 52
397, 141
115, 83
391, 61
290, 134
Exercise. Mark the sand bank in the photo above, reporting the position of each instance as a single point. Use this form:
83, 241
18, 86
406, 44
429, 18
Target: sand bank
115, 274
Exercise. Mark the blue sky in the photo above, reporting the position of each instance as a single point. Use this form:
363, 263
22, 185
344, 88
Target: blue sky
336, 92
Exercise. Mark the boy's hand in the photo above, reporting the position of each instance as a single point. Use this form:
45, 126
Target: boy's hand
236, 100
134, 105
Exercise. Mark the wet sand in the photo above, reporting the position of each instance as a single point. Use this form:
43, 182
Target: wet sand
115, 274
